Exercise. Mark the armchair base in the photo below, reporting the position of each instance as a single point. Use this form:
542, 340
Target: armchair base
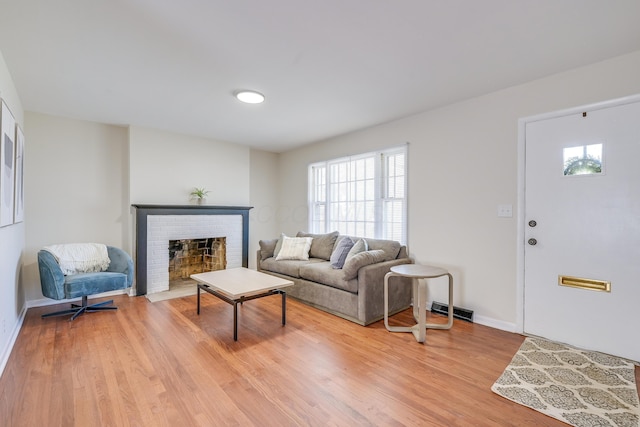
77, 310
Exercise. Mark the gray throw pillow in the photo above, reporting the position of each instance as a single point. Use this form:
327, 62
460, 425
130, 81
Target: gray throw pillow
322, 244
267, 247
360, 246
353, 264
339, 254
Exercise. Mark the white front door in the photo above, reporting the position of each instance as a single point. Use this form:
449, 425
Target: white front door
584, 226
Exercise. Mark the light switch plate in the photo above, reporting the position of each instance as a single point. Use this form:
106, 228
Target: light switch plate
505, 211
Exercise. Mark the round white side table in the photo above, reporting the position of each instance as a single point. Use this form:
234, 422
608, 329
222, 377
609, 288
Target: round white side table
418, 273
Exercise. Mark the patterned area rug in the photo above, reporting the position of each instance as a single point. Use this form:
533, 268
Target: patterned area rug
582, 388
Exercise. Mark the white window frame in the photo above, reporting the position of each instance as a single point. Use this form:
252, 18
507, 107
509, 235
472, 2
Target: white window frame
349, 211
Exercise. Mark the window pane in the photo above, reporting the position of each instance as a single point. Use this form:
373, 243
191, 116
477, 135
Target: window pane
391, 188
370, 212
399, 188
360, 170
363, 196
359, 190
360, 213
583, 160
393, 225
370, 190
370, 168
370, 229
342, 192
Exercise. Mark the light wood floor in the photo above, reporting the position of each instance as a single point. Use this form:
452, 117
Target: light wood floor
159, 364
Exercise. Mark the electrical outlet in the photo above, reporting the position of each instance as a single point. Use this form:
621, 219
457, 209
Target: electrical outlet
505, 211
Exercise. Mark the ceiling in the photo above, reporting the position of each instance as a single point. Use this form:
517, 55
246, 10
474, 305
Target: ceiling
326, 67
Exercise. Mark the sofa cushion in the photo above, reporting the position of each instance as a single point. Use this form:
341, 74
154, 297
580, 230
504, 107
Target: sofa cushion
353, 264
322, 272
340, 252
359, 246
77, 285
267, 248
391, 248
294, 248
322, 244
286, 267
276, 250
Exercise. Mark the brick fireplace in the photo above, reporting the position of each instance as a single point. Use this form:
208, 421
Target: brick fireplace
157, 225
192, 256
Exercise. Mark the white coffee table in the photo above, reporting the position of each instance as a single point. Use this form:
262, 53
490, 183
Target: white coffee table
237, 285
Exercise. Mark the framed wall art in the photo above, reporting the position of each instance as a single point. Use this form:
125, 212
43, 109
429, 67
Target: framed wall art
7, 165
18, 213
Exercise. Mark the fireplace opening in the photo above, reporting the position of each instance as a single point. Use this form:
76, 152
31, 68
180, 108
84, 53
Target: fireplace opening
192, 256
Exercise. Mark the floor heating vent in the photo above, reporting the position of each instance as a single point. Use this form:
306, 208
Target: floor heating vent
458, 313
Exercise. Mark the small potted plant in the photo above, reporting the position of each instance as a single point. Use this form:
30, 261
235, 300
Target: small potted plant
199, 195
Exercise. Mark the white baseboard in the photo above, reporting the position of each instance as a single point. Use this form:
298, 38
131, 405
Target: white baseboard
494, 323
6, 352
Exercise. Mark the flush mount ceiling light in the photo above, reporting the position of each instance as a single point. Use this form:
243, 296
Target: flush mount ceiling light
250, 96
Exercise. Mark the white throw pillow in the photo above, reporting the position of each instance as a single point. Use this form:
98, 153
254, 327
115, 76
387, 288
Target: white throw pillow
295, 248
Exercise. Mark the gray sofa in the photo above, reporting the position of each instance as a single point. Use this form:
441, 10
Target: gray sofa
355, 293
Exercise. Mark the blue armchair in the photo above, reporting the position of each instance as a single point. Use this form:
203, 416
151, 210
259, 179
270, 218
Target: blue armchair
55, 285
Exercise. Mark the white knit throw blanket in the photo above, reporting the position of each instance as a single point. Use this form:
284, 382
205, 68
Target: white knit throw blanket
80, 257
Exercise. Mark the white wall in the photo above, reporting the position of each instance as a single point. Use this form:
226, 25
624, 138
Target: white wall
81, 178
76, 184
462, 165
12, 241
165, 167
264, 199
